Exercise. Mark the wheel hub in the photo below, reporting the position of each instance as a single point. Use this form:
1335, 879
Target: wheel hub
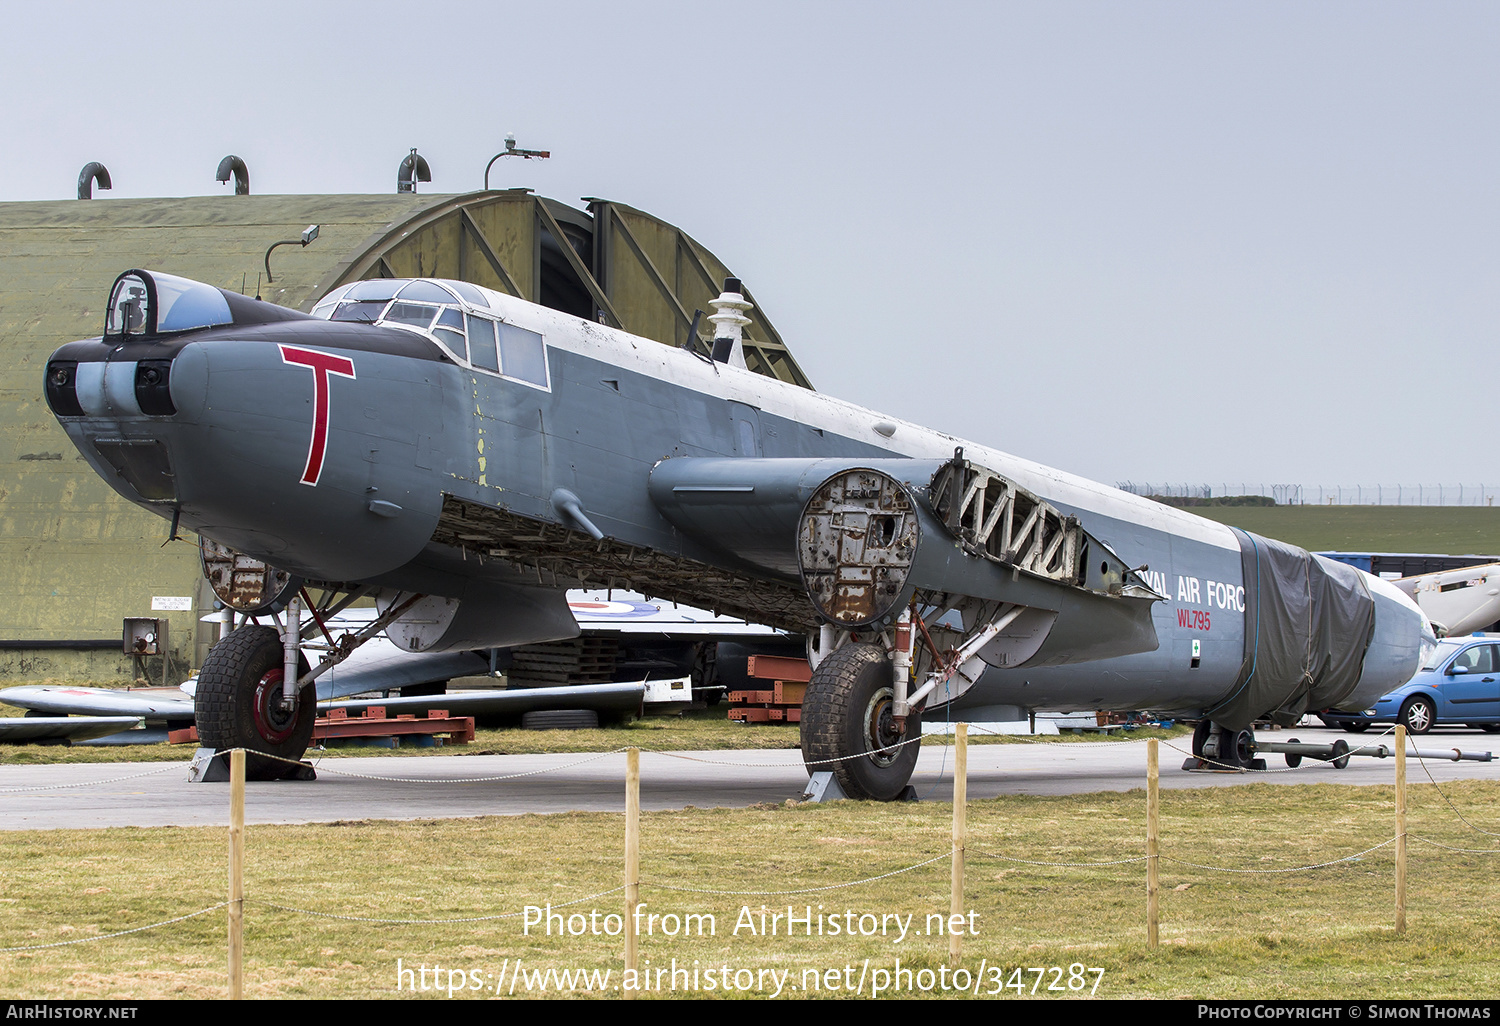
880, 728
274, 720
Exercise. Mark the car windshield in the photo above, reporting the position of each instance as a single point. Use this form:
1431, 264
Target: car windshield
1442, 654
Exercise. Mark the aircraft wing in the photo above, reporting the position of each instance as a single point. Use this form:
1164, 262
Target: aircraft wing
631, 613
618, 698
27, 729
1460, 601
149, 703
379, 665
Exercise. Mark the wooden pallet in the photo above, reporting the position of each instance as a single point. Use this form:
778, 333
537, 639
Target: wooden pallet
782, 701
374, 723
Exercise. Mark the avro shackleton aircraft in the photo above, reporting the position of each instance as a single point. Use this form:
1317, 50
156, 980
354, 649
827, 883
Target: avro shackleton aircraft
465, 457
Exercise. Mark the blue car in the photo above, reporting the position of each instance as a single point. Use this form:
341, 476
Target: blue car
1458, 685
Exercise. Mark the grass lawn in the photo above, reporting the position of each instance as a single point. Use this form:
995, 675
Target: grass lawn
1255, 933
1449, 529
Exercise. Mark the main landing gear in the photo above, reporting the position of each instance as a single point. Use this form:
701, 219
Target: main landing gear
849, 727
244, 698
240, 704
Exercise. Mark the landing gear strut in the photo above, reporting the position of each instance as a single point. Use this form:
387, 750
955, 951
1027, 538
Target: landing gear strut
849, 726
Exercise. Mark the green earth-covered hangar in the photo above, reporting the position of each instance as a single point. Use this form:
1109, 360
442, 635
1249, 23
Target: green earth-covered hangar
77, 558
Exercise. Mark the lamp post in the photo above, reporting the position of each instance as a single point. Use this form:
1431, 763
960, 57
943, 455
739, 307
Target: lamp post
308, 234
511, 151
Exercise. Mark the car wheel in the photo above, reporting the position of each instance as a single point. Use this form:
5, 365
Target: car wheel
1356, 726
1418, 714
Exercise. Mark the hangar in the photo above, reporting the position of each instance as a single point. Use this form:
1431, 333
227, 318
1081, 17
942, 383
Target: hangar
78, 559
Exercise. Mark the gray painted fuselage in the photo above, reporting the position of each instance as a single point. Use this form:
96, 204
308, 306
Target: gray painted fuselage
412, 425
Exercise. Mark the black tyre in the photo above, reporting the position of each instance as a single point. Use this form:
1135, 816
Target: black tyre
847, 726
560, 719
238, 704
1340, 754
1418, 714
1242, 749
1201, 733
1293, 761
1489, 728
1356, 726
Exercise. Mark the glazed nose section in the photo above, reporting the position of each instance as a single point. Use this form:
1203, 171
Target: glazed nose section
110, 390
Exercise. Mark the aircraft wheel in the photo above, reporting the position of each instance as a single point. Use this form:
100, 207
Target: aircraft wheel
238, 704
1418, 714
1244, 748
847, 726
1201, 733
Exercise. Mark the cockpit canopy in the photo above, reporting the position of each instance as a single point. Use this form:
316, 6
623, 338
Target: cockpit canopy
153, 303
455, 314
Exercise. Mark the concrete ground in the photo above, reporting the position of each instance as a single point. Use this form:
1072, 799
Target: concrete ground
448, 786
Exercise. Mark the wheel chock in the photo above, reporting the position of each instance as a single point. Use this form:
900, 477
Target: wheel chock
212, 767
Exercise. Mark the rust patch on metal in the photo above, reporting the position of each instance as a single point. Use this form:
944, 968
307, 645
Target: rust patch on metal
856, 543
241, 582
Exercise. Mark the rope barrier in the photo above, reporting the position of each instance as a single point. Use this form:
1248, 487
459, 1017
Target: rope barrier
117, 933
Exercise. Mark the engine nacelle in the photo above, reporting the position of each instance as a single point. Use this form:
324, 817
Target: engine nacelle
867, 538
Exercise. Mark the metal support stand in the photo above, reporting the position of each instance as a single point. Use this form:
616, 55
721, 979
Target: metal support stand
822, 786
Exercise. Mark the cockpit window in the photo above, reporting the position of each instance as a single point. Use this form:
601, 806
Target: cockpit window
470, 293
146, 302
376, 288
182, 304
364, 313
325, 306
523, 355
482, 344
418, 315
450, 332
129, 305
427, 292
437, 309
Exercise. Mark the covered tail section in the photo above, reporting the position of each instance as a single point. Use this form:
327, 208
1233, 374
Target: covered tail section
1318, 634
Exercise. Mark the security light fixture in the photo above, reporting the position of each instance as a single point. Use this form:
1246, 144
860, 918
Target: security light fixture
308, 234
511, 151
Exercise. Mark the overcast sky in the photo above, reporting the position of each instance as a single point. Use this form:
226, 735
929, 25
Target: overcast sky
1201, 242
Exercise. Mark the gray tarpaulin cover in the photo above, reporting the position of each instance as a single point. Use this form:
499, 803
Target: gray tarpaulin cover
1308, 621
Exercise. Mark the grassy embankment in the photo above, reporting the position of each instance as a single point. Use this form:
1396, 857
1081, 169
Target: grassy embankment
1449, 529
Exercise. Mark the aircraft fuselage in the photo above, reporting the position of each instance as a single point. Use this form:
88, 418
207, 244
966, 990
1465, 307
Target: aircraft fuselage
349, 452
